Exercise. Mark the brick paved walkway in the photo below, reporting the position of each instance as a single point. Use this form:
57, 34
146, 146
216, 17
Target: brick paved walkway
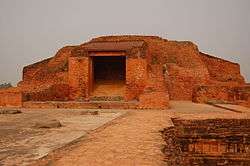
134, 139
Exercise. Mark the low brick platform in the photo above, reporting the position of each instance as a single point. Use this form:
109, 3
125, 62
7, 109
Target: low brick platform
208, 142
83, 105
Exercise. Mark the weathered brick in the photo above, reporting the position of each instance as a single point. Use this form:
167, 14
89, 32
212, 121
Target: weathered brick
156, 70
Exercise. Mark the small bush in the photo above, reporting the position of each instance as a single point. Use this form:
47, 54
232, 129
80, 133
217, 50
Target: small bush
5, 85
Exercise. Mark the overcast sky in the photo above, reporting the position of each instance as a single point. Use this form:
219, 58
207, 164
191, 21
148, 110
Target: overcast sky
32, 30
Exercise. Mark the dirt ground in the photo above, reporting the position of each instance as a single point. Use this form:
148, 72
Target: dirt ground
134, 139
21, 143
114, 137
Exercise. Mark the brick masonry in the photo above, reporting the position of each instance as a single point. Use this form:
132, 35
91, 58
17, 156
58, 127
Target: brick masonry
208, 142
11, 97
157, 70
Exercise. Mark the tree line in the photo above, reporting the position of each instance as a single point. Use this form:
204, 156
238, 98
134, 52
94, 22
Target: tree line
5, 85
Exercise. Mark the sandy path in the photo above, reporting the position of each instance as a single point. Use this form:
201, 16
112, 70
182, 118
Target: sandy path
131, 140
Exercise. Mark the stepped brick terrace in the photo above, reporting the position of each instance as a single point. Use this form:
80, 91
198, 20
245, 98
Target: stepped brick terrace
142, 72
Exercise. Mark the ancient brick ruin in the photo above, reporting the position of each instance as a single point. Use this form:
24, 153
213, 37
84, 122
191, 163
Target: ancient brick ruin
208, 142
127, 72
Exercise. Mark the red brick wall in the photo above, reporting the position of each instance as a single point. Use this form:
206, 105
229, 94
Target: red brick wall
182, 81
220, 93
222, 70
136, 76
46, 73
189, 69
184, 68
57, 92
154, 100
169, 67
248, 101
29, 72
79, 79
10, 97
242, 95
203, 94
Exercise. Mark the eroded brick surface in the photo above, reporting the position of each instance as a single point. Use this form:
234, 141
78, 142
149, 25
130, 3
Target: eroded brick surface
11, 97
208, 142
174, 69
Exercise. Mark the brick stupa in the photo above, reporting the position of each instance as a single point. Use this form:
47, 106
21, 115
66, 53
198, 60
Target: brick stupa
142, 72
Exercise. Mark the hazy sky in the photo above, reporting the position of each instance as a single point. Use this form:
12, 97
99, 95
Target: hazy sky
32, 30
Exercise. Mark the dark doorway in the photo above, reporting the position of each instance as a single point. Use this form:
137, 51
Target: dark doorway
109, 75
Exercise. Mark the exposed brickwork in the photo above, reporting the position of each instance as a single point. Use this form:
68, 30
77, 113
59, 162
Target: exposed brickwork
136, 76
222, 93
43, 74
56, 92
155, 68
81, 105
204, 94
222, 70
178, 57
208, 142
79, 77
154, 100
10, 97
242, 95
